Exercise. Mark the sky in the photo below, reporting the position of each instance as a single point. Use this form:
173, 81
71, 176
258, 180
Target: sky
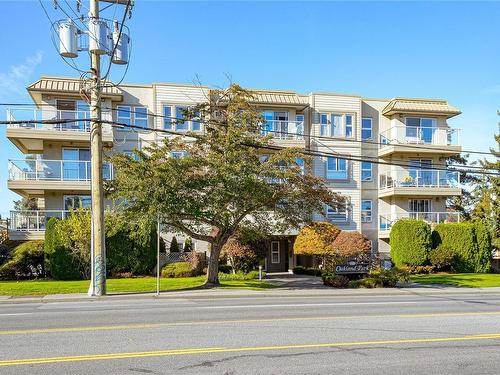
447, 50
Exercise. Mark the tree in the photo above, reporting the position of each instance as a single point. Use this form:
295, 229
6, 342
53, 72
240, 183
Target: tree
222, 182
465, 202
410, 241
26, 204
243, 253
188, 245
349, 245
174, 245
317, 238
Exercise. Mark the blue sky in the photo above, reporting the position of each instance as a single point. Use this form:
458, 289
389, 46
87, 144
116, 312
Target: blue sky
376, 49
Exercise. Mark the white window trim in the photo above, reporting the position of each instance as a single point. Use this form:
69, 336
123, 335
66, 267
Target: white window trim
173, 118
337, 169
364, 170
371, 128
341, 131
132, 116
336, 220
273, 252
368, 218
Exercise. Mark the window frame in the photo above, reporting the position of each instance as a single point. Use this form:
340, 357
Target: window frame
370, 179
171, 122
337, 160
367, 218
351, 126
336, 211
275, 253
363, 128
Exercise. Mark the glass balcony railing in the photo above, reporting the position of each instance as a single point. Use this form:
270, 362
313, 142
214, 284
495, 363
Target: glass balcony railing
34, 114
387, 221
287, 130
53, 170
33, 221
420, 135
420, 178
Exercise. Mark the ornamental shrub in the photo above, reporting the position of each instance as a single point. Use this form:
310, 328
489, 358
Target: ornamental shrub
59, 261
470, 242
27, 262
442, 258
410, 242
179, 269
174, 245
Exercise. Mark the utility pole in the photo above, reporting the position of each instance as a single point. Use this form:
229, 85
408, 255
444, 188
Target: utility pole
97, 189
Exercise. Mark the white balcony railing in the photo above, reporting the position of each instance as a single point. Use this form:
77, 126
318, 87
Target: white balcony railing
33, 221
53, 170
288, 130
419, 178
420, 135
35, 114
386, 221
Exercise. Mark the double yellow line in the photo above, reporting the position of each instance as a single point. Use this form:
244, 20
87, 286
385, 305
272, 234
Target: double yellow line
215, 350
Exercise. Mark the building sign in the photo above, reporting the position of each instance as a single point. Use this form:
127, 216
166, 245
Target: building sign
352, 267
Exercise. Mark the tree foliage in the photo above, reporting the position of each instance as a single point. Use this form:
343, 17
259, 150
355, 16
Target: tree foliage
242, 252
352, 245
316, 238
222, 183
174, 245
26, 262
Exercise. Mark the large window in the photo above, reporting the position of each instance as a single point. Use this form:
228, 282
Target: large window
275, 252
366, 128
175, 119
336, 125
366, 171
337, 214
420, 130
73, 202
129, 115
366, 210
336, 169
75, 164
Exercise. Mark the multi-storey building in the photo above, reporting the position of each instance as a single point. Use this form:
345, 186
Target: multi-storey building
390, 152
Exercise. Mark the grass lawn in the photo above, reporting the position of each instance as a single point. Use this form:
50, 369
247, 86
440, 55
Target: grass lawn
143, 284
472, 280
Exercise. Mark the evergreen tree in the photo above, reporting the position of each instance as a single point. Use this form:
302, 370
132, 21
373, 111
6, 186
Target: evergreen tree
174, 245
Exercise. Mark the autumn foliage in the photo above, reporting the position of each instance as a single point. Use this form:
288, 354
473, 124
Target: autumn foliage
316, 238
351, 245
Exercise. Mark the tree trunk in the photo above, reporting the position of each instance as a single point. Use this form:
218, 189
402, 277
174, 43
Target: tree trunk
213, 266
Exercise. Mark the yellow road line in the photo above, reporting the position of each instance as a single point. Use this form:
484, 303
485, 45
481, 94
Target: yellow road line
239, 321
194, 351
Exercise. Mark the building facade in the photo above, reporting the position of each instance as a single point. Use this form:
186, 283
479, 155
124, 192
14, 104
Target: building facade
390, 152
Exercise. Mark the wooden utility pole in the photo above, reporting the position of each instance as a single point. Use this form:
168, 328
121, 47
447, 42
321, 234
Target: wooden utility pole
97, 189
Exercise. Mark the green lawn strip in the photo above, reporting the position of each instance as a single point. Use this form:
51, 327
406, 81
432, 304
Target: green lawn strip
471, 280
134, 285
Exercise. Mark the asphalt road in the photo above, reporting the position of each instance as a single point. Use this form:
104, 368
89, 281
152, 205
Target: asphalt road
410, 333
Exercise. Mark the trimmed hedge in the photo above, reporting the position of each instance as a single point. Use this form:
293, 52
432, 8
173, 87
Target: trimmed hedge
27, 262
470, 242
179, 269
410, 242
299, 270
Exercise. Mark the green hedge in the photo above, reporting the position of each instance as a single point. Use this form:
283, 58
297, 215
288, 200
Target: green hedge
26, 262
410, 242
470, 242
179, 269
59, 262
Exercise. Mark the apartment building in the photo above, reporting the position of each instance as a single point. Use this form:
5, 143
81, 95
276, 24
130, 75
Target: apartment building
390, 152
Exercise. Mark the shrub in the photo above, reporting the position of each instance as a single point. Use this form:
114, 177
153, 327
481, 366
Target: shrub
60, 263
179, 269
381, 278
225, 268
352, 245
198, 262
174, 245
27, 261
470, 242
316, 238
299, 270
410, 242
335, 281
442, 258
188, 245
242, 252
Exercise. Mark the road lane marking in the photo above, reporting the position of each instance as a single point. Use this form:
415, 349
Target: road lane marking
194, 351
241, 321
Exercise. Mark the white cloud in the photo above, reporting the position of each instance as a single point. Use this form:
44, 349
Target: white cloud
15, 80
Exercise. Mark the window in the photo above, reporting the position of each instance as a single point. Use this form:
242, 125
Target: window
75, 164
366, 171
323, 124
335, 125
299, 125
337, 214
124, 115
336, 169
167, 117
73, 202
141, 117
181, 124
348, 125
366, 128
132, 154
420, 130
300, 163
195, 125
366, 211
275, 252
178, 154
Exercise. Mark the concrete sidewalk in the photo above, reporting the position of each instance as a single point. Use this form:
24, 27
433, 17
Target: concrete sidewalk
216, 293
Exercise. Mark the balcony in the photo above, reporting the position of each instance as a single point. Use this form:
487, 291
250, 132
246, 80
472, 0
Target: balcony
29, 137
30, 225
420, 182
286, 132
419, 139
32, 177
387, 221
